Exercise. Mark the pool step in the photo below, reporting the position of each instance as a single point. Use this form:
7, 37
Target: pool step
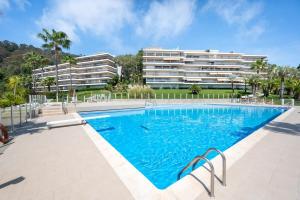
50, 110
56, 109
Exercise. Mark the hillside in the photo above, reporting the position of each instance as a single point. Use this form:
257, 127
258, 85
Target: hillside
11, 55
11, 58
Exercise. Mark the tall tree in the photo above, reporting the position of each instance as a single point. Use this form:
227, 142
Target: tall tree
132, 67
246, 80
140, 66
128, 63
259, 65
292, 81
55, 41
269, 81
33, 61
254, 81
13, 83
232, 79
282, 73
72, 61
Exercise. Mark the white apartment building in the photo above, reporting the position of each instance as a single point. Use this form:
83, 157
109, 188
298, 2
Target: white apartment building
165, 68
90, 71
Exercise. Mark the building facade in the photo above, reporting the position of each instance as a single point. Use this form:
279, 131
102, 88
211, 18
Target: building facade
165, 68
90, 71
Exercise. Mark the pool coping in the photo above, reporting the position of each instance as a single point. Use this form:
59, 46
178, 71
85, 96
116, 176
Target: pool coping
186, 188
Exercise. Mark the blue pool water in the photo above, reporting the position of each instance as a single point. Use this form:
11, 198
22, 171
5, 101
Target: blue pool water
160, 141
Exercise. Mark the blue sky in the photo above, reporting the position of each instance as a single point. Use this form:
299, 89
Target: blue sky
125, 26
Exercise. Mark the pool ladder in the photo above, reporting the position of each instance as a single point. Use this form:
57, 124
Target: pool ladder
194, 162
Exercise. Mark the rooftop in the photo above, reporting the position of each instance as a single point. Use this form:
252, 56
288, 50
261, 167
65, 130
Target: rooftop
212, 51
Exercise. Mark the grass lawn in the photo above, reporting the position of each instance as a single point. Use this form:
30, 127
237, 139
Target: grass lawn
165, 93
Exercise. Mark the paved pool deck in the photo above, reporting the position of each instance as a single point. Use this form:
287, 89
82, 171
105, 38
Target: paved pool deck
63, 163
60, 163
270, 169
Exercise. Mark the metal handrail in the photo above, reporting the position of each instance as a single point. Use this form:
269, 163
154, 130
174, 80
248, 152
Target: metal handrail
64, 108
212, 172
288, 104
150, 102
224, 162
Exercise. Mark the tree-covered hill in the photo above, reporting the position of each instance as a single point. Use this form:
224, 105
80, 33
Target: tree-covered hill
11, 58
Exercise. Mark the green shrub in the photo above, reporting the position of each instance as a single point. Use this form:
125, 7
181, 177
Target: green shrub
108, 87
4, 103
238, 95
195, 89
9, 99
120, 87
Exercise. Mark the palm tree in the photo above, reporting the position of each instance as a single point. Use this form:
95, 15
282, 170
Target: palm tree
293, 80
48, 81
232, 79
259, 65
254, 81
297, 89
282, 74
43, 61
13, 83
268, 83
195, 89
72, 61
246, 80
271, 70
55, 41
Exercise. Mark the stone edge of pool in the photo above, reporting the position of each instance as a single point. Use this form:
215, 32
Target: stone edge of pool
188, 187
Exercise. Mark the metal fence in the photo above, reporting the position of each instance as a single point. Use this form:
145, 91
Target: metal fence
17, 116
110, 96
177, 96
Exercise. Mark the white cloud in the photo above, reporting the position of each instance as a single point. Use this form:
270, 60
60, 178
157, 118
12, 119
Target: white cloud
252, 32
97, 17
107, 19
166, 19
22, 4
6, 4
243, 13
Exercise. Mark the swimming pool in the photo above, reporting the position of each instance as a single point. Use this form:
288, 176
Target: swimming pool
160, 141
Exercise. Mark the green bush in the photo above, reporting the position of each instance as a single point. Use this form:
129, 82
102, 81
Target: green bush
120, 87
108, 87
139, 91
4, 103
238, 95
195, 89
9, 99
